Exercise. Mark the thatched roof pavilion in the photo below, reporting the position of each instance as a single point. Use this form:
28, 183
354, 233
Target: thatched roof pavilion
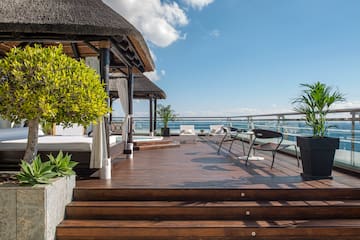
145, 89
80, 25
85, 28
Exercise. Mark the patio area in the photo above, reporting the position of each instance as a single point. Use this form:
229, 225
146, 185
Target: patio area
192, 192
198, 165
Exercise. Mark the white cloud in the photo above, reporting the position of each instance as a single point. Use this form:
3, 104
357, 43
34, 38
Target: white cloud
240, 111
215, 33
156, 20
153, 56
198, 4
348, 104
153, 76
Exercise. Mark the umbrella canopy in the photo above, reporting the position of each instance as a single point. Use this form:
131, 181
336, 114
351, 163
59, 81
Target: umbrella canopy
78, 24
144, 88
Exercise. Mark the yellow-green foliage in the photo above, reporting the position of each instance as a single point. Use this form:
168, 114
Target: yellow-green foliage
44, 83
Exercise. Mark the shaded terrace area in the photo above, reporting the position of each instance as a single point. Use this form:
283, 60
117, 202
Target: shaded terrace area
198, 165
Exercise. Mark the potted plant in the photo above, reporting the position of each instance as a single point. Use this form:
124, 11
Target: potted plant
166, 114
317, 151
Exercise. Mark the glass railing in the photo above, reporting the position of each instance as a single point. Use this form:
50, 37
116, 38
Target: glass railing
344, 124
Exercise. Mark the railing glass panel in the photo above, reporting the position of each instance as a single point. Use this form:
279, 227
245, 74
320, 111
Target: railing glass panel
345, 124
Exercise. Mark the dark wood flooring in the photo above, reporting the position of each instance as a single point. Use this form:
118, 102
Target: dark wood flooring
193, 193
200, 166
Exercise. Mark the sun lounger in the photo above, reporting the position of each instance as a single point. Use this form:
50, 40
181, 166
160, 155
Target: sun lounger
13, 144
216, 130
187, 134
187, 130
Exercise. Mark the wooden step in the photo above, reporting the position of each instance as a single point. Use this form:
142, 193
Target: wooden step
139, 194
209, 230
234, 210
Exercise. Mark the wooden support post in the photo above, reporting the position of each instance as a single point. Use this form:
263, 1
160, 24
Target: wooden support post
110, 115
104, 73
129, 148
155, 114
151, 116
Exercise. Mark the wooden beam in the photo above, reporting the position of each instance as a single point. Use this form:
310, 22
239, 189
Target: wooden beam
92, 46
75, 50
105, 44
117, 53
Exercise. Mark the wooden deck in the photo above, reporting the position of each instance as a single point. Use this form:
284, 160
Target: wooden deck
200, 166
192, 193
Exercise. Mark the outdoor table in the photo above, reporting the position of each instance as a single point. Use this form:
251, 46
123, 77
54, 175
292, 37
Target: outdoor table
251, 156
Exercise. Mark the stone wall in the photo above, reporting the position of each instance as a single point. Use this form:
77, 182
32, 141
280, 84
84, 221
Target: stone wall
32, 213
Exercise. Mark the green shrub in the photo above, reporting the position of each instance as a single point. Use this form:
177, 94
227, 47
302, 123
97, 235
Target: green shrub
62, 165
36, 172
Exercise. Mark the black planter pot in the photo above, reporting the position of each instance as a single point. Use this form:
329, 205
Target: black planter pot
317, 156
165, 132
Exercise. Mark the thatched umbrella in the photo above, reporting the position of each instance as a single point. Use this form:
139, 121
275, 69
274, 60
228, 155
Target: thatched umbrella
144, 88
78, 24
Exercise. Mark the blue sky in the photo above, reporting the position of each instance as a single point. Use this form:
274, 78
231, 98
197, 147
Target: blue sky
235, 57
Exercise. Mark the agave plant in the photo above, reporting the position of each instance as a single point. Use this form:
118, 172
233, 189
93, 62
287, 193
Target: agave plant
315, 102
62, 165
36, 172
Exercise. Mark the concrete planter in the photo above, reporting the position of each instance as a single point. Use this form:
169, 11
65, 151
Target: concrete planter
32, 213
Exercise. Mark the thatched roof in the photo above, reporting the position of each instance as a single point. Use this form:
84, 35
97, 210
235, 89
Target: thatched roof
88, 20
144, 88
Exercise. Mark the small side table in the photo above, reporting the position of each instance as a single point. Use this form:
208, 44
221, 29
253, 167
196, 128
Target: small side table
251, 156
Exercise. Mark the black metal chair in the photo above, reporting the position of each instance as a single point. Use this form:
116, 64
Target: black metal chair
230, 135
269, 146
238, 137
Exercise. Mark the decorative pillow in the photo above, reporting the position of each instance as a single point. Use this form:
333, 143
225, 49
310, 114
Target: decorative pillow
219, 131
188, 131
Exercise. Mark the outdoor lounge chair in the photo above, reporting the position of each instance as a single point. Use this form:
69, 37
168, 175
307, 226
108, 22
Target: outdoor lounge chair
231, 135
187, 130
216, 130
187, 134
266, 143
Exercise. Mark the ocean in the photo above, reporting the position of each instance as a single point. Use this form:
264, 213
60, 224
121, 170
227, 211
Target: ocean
342, 129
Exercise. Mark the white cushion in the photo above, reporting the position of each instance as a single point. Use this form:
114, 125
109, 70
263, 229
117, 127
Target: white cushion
51, 143
15, 133
189, 131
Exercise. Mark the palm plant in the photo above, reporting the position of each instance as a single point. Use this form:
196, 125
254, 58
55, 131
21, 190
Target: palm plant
315, 102
166, 114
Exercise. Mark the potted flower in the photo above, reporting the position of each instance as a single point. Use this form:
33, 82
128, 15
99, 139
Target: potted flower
317, 151
166, 114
